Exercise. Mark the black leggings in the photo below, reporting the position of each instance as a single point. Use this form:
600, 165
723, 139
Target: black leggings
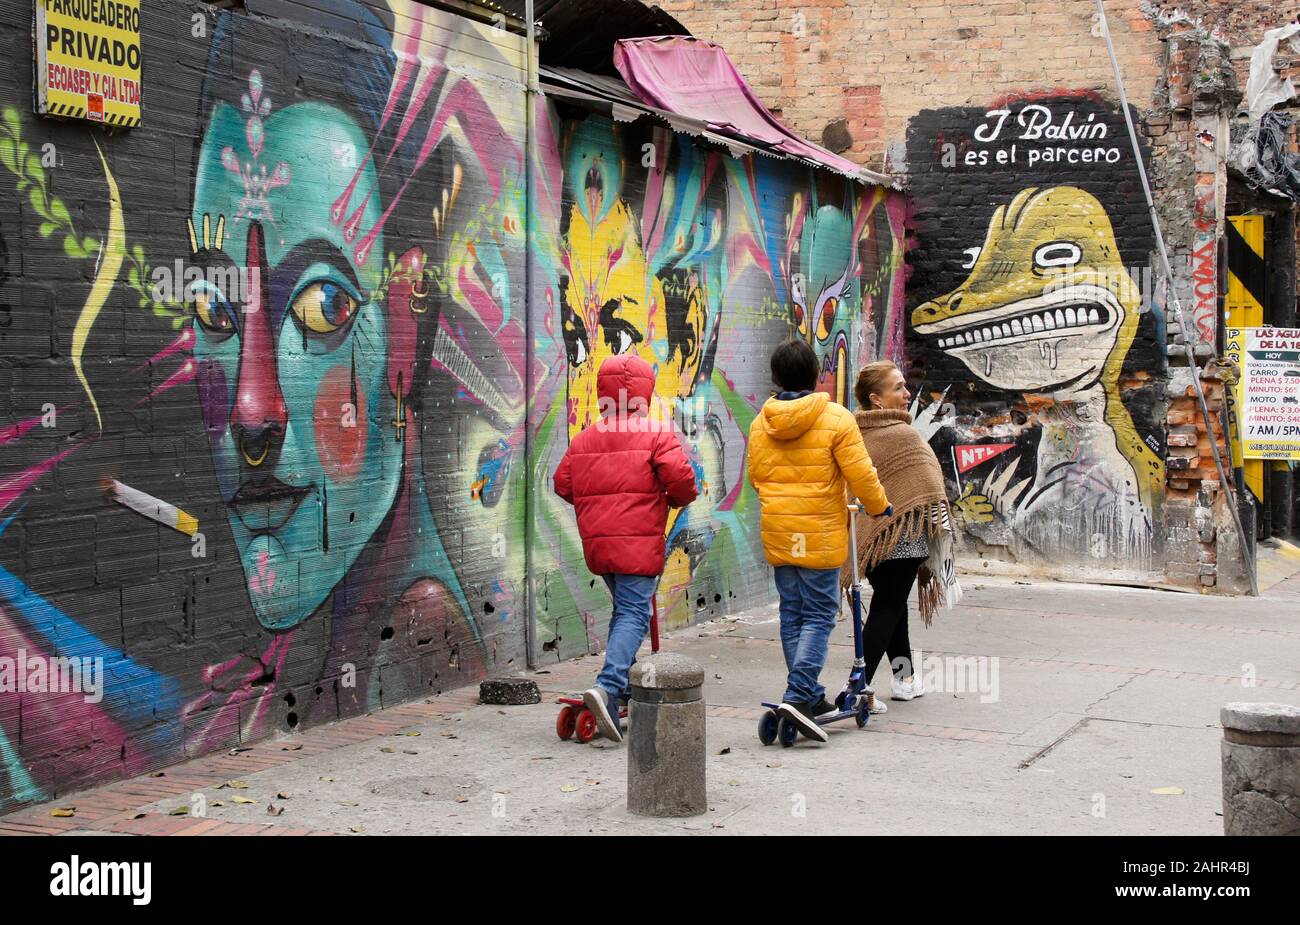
886, 627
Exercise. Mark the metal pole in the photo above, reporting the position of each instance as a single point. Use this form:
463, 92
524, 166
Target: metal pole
530, 182
1178, 307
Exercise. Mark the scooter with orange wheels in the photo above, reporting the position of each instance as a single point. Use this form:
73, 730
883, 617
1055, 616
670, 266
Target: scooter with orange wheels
575, 720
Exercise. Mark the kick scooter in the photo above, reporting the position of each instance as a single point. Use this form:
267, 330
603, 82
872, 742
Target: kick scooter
855, 699
575, 720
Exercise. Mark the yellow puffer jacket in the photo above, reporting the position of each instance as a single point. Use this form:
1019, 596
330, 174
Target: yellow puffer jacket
801, 454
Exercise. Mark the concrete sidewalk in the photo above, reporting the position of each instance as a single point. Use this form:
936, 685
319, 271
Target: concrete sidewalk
1103, 695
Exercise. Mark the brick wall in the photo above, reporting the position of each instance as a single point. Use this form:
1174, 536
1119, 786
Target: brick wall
280, 411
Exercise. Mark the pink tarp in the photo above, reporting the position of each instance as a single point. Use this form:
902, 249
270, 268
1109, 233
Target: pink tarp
696, 79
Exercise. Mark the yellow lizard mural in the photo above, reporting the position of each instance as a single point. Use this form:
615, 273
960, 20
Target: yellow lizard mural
1049, 310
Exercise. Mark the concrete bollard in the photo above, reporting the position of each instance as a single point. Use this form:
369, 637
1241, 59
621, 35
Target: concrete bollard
1261, 769
665, 756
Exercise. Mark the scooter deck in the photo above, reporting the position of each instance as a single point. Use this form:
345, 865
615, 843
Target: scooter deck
825, 718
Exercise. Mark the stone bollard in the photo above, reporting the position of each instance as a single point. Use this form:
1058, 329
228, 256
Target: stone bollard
1261, 769
665, 754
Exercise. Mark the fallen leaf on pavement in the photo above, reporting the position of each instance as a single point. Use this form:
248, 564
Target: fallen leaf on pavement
1168, 791
291, 748
592, 783
409, 751
180, 811
569, 788
348, 803
216, 803
462, 799
233, 785
273, 810
725, 751
388, 749
330, 779
64, 812
243, 801
158, 774
282, 795
356, 828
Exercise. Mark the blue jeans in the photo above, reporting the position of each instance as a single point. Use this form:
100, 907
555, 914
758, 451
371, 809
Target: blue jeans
810, 598
633, 596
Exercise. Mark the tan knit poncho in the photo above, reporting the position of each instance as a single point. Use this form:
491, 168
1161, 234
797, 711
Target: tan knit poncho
910, 474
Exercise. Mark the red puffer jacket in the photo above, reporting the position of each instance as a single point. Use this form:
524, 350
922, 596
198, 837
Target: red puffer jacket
622, 474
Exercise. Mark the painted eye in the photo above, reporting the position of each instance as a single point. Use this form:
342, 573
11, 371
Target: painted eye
213, 310
826, 321
620, 336
324, 307
801, 320
972, 254
1057, 254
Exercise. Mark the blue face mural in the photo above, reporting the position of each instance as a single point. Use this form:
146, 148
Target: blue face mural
291, 368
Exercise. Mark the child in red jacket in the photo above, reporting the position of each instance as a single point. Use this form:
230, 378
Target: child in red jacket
622, 474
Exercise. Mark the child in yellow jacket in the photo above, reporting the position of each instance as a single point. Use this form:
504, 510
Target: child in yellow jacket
804, 450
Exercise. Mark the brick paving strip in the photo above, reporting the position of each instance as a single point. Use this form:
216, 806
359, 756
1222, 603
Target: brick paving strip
115, 807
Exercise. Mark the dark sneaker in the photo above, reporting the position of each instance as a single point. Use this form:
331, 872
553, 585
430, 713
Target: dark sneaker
598, 702
821, 707
801, 715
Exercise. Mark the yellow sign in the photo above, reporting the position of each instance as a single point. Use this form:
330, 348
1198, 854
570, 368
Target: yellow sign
1270, 392
88, 60
1252, 469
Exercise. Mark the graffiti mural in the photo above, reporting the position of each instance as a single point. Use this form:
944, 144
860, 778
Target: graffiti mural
284, 407
290, 492
1033, 330
700, 263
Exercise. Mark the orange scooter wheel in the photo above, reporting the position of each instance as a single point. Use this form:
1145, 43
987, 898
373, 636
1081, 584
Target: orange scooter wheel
586, 728
566, 722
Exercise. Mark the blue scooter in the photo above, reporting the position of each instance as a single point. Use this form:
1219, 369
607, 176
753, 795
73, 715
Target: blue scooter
854, 700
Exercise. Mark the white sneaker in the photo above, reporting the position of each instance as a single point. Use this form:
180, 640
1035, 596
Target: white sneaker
902, 690
875, 706
918, 687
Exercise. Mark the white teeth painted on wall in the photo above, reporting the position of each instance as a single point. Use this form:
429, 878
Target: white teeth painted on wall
1051, 320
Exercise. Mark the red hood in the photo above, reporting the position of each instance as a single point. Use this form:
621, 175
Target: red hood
627, 374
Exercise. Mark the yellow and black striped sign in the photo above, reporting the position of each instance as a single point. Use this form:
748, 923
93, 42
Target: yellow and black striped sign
88, 60
1247, 279
1244, 305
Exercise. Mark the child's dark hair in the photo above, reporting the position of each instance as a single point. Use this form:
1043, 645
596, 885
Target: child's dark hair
794, 366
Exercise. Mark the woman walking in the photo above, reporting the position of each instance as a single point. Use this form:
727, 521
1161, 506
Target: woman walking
914, 540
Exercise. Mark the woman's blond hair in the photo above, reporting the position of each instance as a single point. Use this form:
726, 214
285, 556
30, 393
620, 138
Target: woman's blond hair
871, 380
